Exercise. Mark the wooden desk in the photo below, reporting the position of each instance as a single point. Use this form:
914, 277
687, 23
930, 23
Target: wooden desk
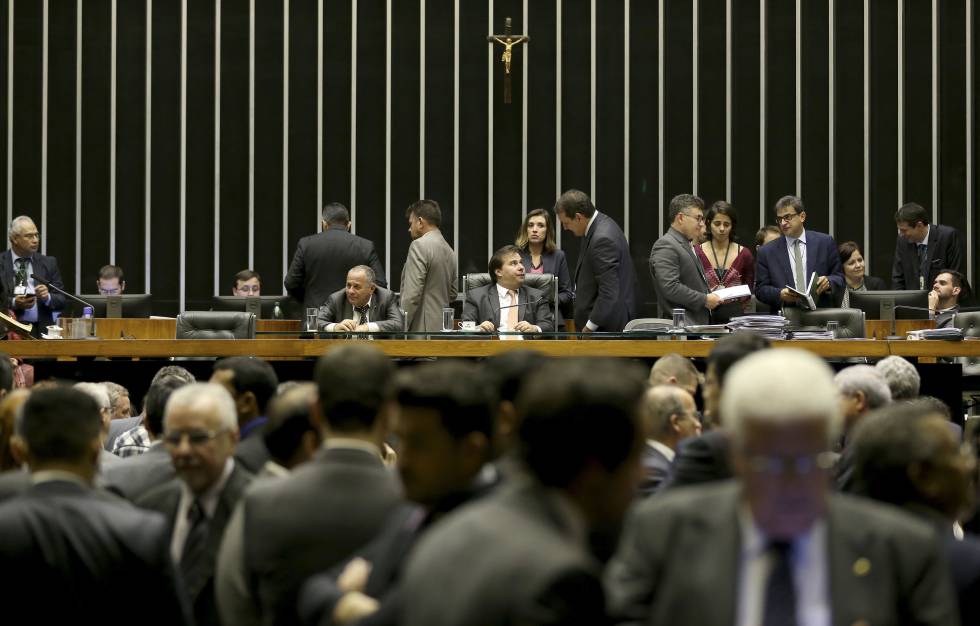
279, 348
134, 328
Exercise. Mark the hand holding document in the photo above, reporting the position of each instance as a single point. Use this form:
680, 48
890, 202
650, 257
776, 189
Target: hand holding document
806, 299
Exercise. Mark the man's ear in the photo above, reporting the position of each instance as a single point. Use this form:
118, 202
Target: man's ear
862, 400
246, 403
19, 449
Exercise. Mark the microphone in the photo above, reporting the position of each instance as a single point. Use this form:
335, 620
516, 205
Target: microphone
50, 285
511, 306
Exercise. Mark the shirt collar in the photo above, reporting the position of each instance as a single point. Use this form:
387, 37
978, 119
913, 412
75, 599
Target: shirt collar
591, 220
755, 542
349, 443
925, 240
209, 499
28, 257
665, 450
791, 241
274, 469
502, 291
46, 476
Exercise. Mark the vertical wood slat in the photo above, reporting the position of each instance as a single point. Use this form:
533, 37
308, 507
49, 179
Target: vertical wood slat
217, 146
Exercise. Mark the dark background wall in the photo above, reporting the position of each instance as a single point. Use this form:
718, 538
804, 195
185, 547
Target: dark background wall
188, 139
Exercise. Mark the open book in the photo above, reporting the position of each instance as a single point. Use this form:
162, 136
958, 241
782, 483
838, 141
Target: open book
806, 299
8, 323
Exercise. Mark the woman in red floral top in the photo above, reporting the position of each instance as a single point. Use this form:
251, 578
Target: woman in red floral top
725, 263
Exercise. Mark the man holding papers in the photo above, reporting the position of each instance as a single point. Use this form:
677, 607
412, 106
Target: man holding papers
677, 274
802, 260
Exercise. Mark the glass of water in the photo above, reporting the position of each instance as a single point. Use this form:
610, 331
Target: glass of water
447, 319
311, 319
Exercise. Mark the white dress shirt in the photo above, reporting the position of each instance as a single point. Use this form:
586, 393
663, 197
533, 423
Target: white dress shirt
504, 300
372, 326
808, 561
667, 451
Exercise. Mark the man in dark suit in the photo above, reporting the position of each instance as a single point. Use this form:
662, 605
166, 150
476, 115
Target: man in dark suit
289, 529
134, 476
445, 426
506, 304
252, 383
923, 249
31, 300
913, 461
670, 417
62, 545
524, 554
605, 280
775, 546
678, 276
794, 257
322, 261
360, 306
200, 431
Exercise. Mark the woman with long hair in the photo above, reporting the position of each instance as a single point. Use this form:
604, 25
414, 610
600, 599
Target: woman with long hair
540, 254
725, 263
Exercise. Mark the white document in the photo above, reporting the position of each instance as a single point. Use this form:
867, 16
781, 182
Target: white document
733, 293
806, 299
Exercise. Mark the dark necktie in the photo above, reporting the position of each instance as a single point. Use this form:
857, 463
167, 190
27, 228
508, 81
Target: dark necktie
362, 312
193, 556
780, 600
923, 251
21, 274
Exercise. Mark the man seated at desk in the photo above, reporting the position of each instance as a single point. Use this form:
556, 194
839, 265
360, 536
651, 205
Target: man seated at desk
361, 306
506, 304
948, 289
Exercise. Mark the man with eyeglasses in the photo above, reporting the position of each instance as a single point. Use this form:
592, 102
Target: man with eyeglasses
678, 277
776, 546
792, 259
111, 281
248, 283
29, 298
200, 429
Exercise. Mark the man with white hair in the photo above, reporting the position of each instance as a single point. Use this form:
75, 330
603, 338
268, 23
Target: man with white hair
99, 393
862, 389
30, 298
901, 376
200, 429
775, 546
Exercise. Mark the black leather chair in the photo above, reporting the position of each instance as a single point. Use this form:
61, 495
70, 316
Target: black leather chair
545, 283
216, 325
969, 323
850, 321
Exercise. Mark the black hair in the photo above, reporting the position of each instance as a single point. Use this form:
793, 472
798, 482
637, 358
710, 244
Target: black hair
59, 424
352, 384
155, 402
457, 391
251, 374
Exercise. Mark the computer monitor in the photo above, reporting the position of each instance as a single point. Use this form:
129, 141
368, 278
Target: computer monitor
880, 305
124, 305
262, 306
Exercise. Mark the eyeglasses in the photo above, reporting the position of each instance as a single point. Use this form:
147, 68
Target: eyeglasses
34, 235
195, 438
698, 218
774, 465
785, 218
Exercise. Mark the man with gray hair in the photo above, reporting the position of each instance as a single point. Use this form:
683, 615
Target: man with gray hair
669, 417
674, 369
776, 546
360, 306
200, 429
862, 388
99, 393
901, 376
30, 298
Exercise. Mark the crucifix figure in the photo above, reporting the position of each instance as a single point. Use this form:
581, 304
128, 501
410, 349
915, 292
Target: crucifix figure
508, 41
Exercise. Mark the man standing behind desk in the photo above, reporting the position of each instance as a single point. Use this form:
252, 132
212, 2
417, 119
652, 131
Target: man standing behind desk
321, 261
922, 249
35, 304
794, 257
429, 274
605, 280
678, 277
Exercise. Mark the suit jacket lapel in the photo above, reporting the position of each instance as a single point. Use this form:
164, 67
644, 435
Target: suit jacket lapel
723, 527
782, 259
850, 574
686, 245
586, 240
494, 302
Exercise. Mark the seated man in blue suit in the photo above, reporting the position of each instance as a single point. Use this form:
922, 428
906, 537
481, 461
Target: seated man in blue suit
30, 299
791, 259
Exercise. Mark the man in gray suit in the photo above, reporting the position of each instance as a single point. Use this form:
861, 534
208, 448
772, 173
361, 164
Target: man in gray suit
678, 276
522, 554
361, 306
287, 530
429, 275
133, 476
493, 307
670, 417
200, 431
775, 546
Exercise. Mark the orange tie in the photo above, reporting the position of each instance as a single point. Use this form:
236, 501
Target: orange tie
512, 311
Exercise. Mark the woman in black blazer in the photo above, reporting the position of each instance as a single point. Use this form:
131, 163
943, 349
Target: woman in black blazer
852, 260
540, 255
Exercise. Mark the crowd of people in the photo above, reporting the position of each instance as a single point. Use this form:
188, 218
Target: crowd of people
517, 490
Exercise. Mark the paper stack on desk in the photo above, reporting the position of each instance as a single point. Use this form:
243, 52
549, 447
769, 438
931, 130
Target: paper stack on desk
769, 326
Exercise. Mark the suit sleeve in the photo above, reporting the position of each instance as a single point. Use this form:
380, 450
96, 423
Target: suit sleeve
927, 588
836, 273
898, 273
413, 280
471, 308
605, 266
171, 604
665, 267
327, 314
631, 576
296, 275
765, 291
954, 256
393, 317
234, 598
544, 314
375, 263
54, 277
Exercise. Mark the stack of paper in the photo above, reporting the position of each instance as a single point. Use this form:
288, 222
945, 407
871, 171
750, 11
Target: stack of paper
769, 326
811, 334
949, 334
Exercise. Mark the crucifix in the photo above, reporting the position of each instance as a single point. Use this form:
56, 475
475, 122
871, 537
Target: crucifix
508, 41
